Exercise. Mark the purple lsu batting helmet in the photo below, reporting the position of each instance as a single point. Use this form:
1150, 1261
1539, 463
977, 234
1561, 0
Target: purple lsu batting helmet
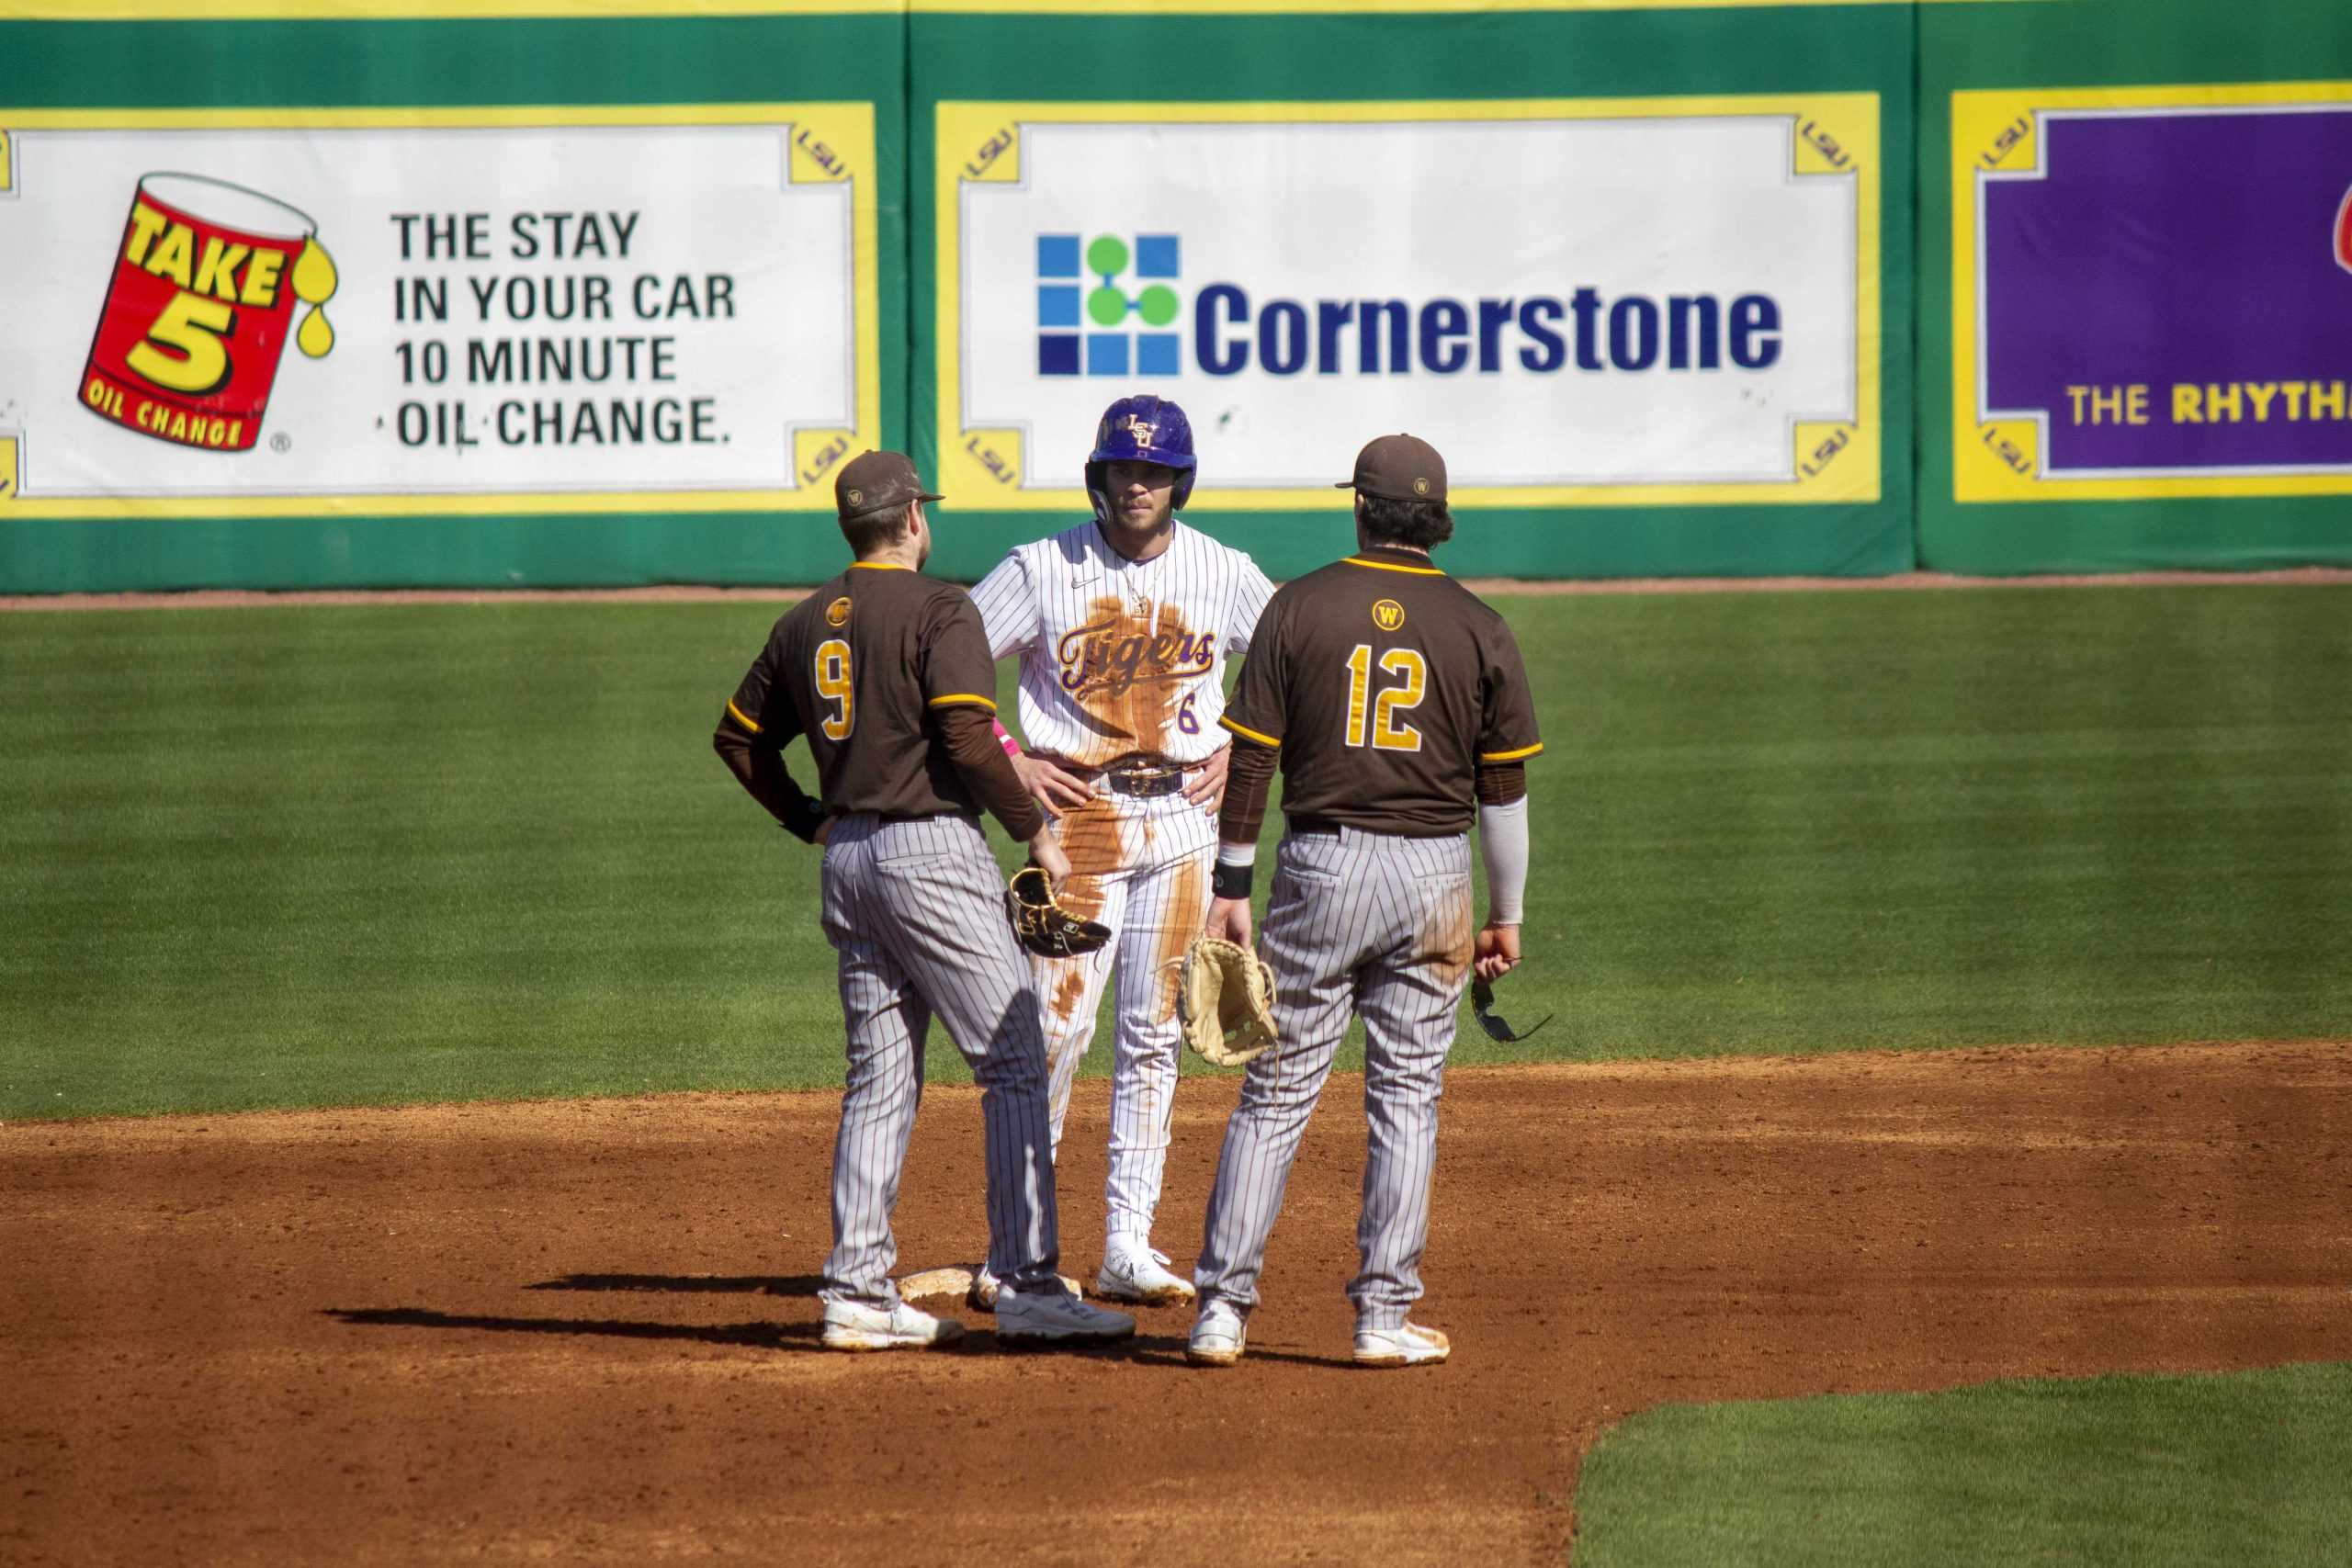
1141, 429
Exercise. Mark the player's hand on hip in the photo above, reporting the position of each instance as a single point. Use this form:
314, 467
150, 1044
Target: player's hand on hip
1497, 951
1056, 788
1046, 853
1206, 789
1229, 918
824, 831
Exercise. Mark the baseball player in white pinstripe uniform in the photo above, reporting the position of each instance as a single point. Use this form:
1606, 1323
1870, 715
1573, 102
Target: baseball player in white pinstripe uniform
1397, 705
885, 675
1123, 626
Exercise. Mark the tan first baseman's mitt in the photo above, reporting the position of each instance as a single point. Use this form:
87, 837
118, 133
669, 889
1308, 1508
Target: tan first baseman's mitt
1225, 1000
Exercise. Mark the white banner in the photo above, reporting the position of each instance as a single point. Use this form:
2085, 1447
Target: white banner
466, 314
1614, 302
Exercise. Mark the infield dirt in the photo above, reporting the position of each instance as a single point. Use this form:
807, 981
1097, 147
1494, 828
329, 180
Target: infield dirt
585, 1331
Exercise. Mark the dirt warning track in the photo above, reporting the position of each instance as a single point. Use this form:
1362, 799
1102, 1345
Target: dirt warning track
586, 1331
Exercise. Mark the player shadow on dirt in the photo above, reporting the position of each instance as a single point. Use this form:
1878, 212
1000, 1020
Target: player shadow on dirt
1148, 1350
756, 1336
691, 1284
1161, 1350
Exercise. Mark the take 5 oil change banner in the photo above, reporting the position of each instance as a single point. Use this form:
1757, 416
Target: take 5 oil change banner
435, 309
1580, 302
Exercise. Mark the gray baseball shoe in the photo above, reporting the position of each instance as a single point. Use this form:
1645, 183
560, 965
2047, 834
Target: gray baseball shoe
982, 1296
849, 1327
1053, 1313
1133, 1271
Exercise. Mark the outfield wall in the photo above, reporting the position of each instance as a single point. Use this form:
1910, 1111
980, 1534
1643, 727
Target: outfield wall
302, 295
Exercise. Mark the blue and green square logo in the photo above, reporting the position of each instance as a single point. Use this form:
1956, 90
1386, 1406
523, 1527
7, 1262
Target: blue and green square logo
1090, 323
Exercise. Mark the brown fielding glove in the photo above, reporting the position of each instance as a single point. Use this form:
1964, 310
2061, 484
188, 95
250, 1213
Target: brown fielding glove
1043, 925
1225, 1000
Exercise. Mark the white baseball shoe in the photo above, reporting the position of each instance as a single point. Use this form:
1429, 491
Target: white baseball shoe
1408, 1345
849, 1327
1056, 1315
1133, 1271
1218, 1334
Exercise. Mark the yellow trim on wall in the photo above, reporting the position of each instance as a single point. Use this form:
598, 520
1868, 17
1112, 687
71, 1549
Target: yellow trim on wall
1996, 133
845, 131
1831, 134
398, 10
360, 10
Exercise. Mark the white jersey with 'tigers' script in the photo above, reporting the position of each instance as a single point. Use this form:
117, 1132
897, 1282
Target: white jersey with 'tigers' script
1121, 656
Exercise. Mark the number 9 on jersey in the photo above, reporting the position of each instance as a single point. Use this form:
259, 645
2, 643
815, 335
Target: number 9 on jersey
833, 683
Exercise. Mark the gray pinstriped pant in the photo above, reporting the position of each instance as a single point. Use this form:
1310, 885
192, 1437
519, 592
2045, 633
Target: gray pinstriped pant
1378, 926
916, 912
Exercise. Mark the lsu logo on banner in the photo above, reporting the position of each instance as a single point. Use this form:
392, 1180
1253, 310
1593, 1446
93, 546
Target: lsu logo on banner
1684, 311
203, 294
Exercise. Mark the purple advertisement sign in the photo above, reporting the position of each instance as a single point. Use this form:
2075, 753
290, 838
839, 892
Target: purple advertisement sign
2170, 291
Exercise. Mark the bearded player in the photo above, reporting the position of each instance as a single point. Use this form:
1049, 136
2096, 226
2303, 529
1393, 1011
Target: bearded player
1122, 626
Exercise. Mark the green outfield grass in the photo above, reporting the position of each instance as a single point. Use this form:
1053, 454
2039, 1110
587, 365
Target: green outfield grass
296, 856
2246, 1469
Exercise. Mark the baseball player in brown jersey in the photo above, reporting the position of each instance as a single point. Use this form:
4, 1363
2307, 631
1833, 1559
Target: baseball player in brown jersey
1396, 705
886, 673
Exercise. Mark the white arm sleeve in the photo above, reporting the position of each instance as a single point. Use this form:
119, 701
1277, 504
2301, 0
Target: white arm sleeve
1502, 844
1250, 593
1008, 606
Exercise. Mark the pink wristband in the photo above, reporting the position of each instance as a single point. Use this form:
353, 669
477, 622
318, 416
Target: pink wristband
1005, 738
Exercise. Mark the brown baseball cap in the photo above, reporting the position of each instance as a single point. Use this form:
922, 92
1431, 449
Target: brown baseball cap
1399, 468
877, 481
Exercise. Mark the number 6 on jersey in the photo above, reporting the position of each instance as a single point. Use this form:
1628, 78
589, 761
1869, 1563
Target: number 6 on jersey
832, 681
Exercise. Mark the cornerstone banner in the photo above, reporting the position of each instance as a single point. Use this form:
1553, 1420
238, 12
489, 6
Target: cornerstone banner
1580, 302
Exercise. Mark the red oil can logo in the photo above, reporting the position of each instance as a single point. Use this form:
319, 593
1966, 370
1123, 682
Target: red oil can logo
202, 300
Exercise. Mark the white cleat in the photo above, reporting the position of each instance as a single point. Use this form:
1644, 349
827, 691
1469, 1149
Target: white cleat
1134, 1272
1218, 1334
849, 1327
1056, 1315
1410, 1346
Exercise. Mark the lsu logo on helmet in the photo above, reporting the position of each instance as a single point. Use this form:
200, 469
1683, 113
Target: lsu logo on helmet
1141, 429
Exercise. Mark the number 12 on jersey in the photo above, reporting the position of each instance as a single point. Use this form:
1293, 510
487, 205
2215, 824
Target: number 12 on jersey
832, 682
1388, 734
